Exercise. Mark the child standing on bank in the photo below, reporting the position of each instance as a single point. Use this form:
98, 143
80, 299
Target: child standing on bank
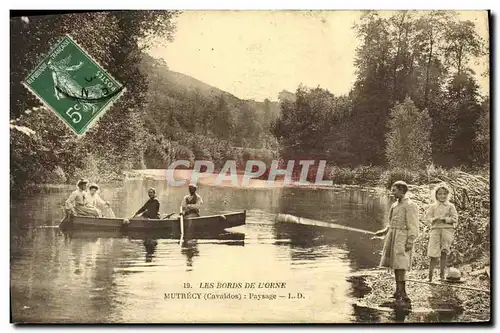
400, 235
443, 216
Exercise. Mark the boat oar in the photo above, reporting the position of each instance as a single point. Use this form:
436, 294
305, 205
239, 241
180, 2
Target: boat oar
181, 221
287, 218
164, 216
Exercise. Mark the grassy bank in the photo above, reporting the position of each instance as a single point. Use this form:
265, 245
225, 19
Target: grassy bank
385, 177
376, 176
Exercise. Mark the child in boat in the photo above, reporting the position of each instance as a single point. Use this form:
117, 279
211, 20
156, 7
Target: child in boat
443, 216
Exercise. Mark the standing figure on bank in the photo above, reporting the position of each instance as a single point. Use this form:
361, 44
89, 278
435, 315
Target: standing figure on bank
78, 201
191, 203
400, 235
443, 216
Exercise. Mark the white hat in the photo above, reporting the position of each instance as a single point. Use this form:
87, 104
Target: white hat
453, 274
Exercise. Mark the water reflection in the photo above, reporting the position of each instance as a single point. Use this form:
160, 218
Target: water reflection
358, 248
122, 277
190, 249
150, 246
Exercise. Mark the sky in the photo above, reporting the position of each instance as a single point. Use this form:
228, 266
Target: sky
257, 54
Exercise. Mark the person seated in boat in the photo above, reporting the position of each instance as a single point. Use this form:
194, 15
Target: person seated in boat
78, 202
95, 200
151, 208
191, 202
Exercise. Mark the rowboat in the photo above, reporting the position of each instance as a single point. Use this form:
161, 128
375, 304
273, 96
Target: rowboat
202, 223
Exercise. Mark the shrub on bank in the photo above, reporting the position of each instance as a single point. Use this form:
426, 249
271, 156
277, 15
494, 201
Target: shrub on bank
368, 175
362, 175
388, 177
372, 176
341, 176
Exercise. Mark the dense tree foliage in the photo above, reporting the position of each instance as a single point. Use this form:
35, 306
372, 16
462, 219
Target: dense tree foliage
313, 126
116, 40
425, 56
408, 139
420, 60
162, 116
200, 121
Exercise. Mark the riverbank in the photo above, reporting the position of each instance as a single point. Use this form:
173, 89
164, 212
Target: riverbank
255, 183
369, 178
457, 304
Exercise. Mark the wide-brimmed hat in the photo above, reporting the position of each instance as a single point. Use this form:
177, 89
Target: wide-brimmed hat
93, 185
82, 181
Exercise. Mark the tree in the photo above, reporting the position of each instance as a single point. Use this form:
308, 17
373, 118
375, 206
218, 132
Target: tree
463, 100
222, 119
372, 90
116, 40
266, 119
462, 43
431, 27
408, 140
247, 127
482, 140
314, 126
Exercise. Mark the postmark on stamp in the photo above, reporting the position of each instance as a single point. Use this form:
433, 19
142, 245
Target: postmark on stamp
71, 84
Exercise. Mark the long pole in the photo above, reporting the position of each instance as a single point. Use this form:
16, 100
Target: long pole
287, 218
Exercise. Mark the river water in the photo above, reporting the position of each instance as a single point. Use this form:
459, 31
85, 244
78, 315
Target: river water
110, 278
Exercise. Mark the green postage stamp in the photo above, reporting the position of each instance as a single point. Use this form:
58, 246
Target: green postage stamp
70, 83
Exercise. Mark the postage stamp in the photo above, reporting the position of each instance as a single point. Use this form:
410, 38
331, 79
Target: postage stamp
73, 85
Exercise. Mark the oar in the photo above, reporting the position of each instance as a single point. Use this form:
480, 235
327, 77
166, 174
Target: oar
181, 225
301, 220
164, 216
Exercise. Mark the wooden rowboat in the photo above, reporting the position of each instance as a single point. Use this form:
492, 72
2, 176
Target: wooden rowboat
202, 223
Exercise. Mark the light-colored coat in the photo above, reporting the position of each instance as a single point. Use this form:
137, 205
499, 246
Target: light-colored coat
191, 205
403, 229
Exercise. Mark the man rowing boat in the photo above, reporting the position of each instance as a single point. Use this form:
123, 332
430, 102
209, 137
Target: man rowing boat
78, 201
191, 203
151, 208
